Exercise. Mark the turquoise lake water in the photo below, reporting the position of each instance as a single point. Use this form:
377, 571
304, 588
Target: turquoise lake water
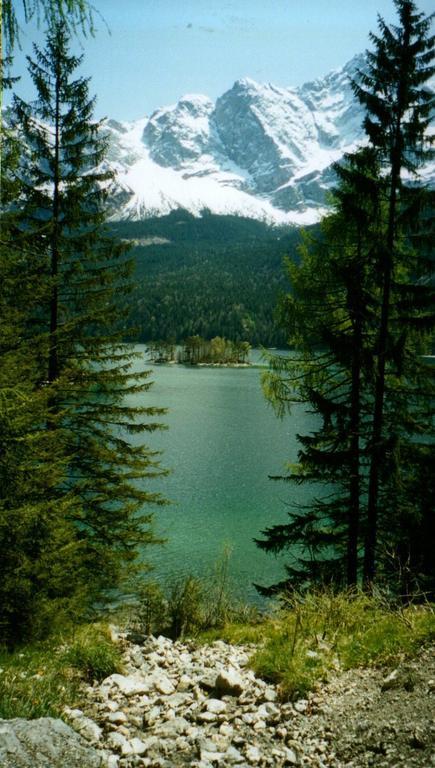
222, 443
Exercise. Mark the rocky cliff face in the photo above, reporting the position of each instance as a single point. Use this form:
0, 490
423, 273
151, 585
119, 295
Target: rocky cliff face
260, 150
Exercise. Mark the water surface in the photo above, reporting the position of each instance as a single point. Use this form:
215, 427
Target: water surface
223, 442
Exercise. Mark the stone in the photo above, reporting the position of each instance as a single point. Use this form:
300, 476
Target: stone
42, 743
171, 728
233, 756
87, 728
268, 711
253, 754
291, 757
129, 686
301, 705
119, 743
117, 718
216, 706
164, 685
270, 694
139, 747
213, 758
229, 683
185, 683
206, 717
391, 681
208, 682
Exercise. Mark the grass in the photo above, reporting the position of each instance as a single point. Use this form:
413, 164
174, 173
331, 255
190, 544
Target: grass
40, 679
313, 634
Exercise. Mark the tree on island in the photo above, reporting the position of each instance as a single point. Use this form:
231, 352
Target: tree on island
217, 351
82, 369
359, 354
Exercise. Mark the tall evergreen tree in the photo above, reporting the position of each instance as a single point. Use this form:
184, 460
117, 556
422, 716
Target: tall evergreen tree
398, 113
84, 366
42, 580
367, 378
329, 317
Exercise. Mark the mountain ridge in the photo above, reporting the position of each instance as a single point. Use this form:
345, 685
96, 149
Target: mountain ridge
260, 150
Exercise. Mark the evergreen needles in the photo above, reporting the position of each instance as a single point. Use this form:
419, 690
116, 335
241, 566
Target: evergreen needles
73, 462
360, 318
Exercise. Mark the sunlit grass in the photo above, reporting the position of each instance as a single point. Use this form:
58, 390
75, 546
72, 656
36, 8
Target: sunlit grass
317, 633
39, 679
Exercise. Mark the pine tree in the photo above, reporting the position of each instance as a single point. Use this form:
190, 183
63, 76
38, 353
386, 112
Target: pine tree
330, 319
42, 581
398, 113
85, 367
360, 361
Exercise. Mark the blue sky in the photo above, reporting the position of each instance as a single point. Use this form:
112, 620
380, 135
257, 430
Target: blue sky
158, 50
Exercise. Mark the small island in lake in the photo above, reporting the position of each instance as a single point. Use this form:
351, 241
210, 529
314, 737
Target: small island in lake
198, 351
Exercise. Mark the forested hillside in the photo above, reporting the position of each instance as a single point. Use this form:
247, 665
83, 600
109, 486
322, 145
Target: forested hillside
211, 276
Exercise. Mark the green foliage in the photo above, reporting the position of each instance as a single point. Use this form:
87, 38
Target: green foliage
40, 679
218, 351
72, 502
360, 317
188, 605
151, 608
76, 13
209, 276
317, 633
92, 654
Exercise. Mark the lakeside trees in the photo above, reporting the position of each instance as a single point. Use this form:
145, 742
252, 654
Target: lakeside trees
70, 422
359, 363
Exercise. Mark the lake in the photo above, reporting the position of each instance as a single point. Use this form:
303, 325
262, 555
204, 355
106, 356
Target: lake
222, 443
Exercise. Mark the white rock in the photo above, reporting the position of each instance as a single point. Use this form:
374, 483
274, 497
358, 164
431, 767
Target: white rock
253, 754
268, 711
185, 683
206, 717
229, 683
117, 718
212, 757
216, 706
270, 694
233, 755
164, 685
259, 725
139, 747
175, 727
119, 743
129, 686
87, 728
290, 756
301, 705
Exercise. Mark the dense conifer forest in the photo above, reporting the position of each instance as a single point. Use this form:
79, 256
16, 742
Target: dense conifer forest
209, 276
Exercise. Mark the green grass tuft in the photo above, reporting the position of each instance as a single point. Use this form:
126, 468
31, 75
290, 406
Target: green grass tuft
40, 679
318, 632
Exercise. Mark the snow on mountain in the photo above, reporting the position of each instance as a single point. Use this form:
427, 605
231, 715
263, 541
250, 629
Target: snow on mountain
260, 151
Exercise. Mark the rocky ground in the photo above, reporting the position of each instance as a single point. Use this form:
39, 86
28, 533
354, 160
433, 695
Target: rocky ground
180, 705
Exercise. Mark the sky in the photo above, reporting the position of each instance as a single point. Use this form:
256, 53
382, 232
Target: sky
148, 53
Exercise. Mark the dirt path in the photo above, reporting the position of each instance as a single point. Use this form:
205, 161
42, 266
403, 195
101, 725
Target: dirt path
370, 718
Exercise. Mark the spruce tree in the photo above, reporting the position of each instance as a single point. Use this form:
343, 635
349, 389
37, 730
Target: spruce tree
42, 581
398, 112
329, 317
84, 366
363, 369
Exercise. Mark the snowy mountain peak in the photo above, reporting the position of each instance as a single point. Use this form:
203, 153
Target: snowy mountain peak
261, 150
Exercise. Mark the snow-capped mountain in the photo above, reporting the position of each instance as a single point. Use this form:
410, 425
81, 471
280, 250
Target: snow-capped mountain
258, 151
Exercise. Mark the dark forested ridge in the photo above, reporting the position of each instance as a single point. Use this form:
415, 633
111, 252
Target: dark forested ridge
209, 276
